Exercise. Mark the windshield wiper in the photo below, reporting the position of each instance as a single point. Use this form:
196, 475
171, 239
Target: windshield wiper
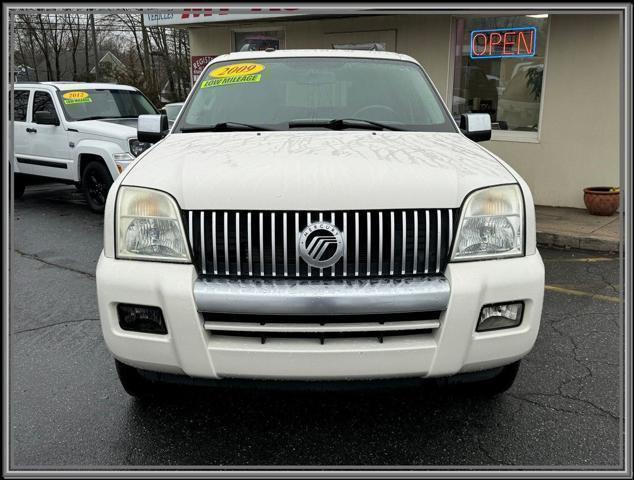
95, 117
342, 123
224, 127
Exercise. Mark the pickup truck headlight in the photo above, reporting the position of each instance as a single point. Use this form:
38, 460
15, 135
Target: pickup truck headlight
149, 226
137, 148
491, 225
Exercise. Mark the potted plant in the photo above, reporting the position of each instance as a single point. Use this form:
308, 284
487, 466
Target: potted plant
601, 200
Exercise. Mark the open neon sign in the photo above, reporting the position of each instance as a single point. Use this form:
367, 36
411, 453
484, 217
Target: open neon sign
504, 42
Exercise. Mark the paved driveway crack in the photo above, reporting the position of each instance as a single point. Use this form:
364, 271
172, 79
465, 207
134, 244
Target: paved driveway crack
55, 324
33, 256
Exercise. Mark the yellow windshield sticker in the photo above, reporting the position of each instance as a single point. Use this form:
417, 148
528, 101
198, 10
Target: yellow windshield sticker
76, 97
236, 70
219, 82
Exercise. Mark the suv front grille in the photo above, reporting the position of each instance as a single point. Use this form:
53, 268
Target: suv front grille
378, 243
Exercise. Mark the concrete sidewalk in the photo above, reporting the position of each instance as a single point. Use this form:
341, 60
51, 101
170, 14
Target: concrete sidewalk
576, 228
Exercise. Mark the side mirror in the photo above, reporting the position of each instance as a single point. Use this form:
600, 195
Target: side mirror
44, 117
476, 126
151, 128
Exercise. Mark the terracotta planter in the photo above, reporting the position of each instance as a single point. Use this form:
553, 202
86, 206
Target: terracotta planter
601, 200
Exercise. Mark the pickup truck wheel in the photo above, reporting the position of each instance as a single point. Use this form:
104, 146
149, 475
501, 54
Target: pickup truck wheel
133, 382
18, 186
96, 181
498, 384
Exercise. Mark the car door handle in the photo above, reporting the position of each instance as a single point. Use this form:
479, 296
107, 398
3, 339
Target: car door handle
31, 130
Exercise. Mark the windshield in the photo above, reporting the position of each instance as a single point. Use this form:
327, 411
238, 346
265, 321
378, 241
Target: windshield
104, 103
271, 93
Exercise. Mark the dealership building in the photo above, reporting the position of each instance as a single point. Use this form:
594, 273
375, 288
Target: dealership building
549, 80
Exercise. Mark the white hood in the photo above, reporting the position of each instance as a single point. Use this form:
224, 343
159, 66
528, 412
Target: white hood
116, 128
317, 170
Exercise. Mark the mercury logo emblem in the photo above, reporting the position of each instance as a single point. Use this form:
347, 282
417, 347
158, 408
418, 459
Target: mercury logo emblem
321, 244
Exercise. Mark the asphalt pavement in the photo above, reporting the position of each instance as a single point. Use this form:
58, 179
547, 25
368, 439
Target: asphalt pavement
68, 410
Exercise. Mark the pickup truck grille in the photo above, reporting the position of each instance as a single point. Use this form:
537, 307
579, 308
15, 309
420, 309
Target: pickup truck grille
378, 243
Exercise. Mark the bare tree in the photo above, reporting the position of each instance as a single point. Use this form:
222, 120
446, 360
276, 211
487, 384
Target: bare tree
74, 38
36, 30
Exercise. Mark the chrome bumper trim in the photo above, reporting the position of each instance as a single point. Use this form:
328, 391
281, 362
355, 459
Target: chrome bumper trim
321, 297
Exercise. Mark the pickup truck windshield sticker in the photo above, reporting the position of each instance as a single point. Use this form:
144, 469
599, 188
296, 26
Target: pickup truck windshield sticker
232, 74
76, 97
218, 82
236, 70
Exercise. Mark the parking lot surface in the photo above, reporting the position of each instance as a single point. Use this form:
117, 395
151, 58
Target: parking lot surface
67, 408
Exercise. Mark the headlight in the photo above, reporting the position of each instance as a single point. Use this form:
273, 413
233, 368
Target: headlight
137, 148
492, 224
149, 226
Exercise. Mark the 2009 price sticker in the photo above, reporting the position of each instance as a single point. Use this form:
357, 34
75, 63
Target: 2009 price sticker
76, 97
237, 69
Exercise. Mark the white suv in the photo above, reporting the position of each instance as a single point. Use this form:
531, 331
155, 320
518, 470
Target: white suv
82, 133
318, 215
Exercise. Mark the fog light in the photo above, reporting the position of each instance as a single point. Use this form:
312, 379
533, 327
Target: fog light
500, 315
139, 318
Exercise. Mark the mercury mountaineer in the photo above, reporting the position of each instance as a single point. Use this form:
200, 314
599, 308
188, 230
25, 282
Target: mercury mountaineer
318, 215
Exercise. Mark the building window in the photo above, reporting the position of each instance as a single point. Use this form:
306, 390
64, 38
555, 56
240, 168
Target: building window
253, 41
498, 69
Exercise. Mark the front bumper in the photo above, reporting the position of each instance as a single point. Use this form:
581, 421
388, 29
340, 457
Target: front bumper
451, 347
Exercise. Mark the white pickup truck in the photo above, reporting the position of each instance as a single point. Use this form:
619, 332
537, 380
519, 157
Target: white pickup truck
81, 133
317, 215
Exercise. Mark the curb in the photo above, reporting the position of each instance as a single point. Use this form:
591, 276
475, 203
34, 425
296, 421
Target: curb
597, 244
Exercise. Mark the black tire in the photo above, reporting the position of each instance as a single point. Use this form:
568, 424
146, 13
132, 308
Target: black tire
96, 181
19, 185
498, 384
134, 383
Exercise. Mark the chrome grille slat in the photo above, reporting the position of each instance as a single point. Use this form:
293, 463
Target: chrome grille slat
202, 244
450, 233
285, 229
238, 243
391, 243
414, 268
427, 242
404, 246
345, 239
380, 244
297, 244
321, 219
439, 244
332, 220
213, 239
250, 250
261, 231
356, 244
369, 253
259, 243
226, 244
308, 223
273, 271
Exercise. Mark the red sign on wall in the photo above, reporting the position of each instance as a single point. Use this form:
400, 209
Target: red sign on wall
199, 62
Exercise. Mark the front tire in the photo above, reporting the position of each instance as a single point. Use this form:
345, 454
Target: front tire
19, 185
498, 384
134, 383
96, 181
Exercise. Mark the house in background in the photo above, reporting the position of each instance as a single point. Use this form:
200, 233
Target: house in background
109, 66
